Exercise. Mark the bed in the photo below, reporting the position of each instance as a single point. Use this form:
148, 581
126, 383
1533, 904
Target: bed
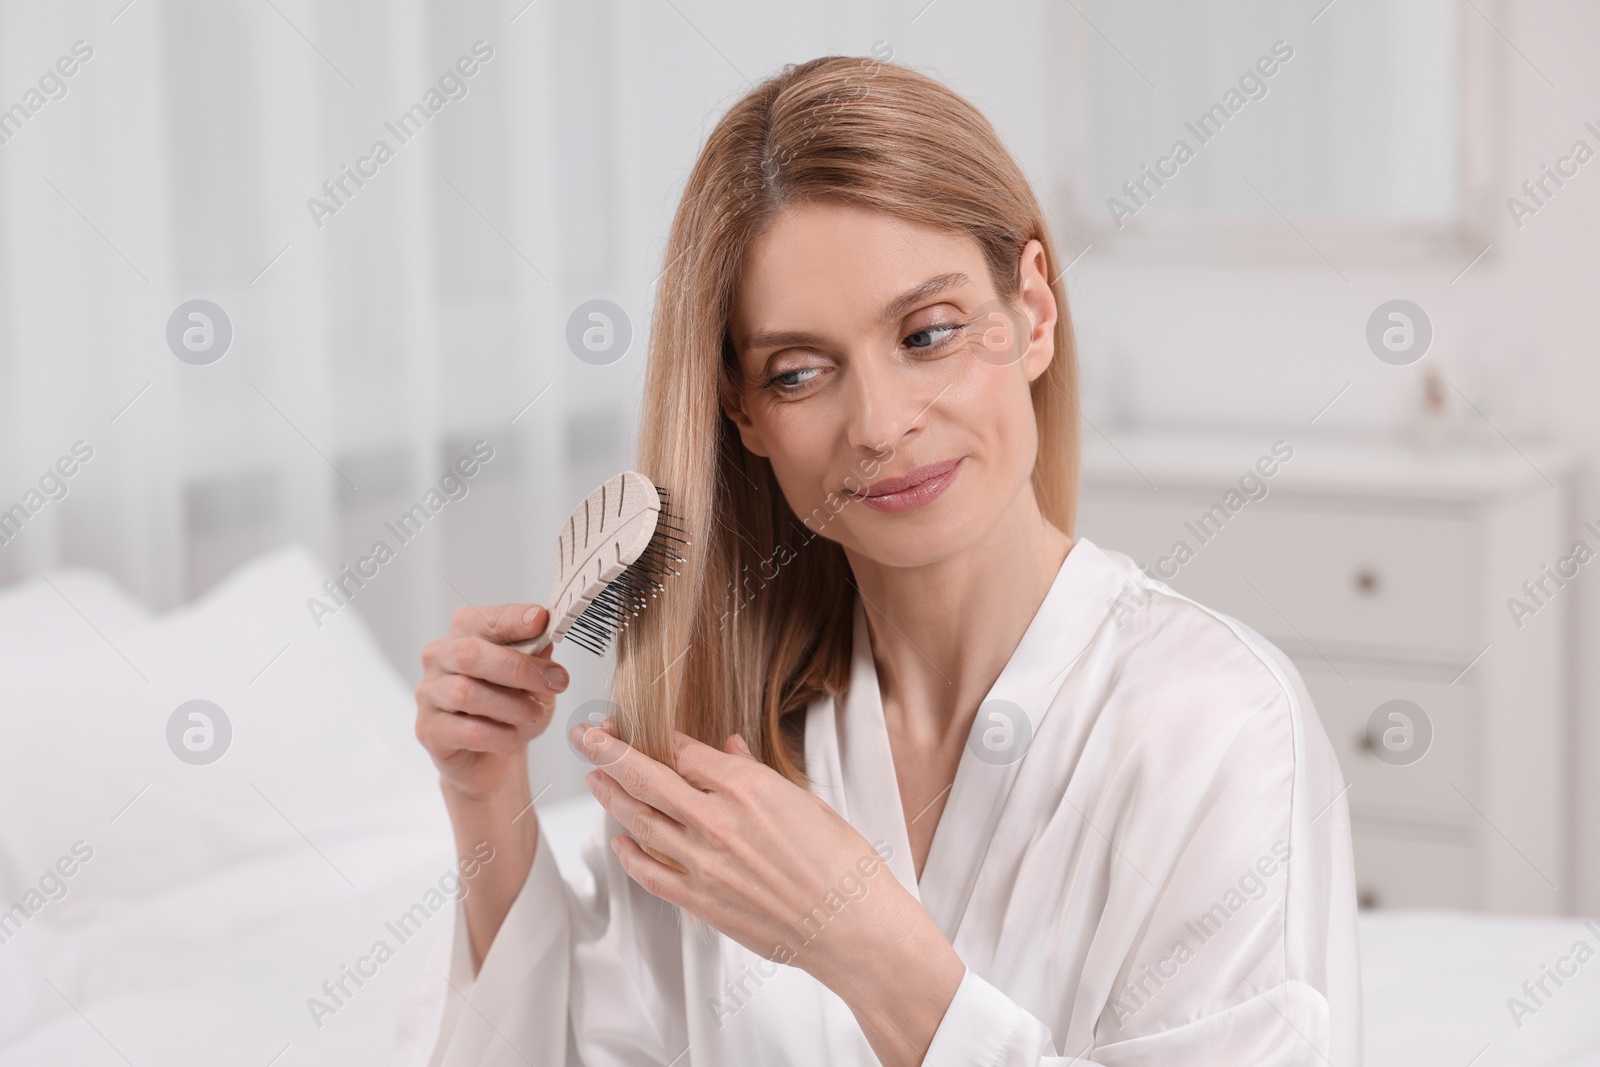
177, 911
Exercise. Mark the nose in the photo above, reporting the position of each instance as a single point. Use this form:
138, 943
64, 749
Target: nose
885, 409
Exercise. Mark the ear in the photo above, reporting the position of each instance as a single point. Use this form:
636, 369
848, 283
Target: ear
733, 407
1038, 301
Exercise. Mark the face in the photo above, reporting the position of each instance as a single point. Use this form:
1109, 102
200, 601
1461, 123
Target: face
887, 382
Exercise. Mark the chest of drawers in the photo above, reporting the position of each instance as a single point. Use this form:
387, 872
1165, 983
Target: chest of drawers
1387, 574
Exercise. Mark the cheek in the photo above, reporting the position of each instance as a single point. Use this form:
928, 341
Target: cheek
994, 410
801, 440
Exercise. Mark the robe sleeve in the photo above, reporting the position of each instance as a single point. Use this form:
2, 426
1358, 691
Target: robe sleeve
1282, 1027
604, 963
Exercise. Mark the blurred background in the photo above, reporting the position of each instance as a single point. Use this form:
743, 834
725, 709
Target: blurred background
235, 328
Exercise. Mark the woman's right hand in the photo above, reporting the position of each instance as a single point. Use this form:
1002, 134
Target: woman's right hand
479, 703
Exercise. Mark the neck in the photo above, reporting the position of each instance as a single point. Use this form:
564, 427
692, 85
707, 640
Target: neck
942, 632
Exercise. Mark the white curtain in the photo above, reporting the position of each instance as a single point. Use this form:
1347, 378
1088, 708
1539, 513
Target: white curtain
376, 337
371, 345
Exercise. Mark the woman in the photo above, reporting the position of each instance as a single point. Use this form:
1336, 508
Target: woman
934, 782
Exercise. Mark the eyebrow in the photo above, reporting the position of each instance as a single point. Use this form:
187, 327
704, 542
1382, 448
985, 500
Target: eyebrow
895, 309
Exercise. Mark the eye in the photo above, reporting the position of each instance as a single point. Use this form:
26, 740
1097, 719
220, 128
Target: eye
933, 336
791, 381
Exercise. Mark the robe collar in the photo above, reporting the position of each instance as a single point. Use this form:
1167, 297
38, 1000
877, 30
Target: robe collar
852, 766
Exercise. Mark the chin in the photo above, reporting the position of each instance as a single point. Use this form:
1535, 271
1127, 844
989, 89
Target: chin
912, 539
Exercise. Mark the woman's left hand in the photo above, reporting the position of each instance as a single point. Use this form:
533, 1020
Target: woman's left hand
767, 863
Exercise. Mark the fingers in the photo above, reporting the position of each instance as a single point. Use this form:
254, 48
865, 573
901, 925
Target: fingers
639, 776
703, 767
503, 624
472, 696
653, 876
490, 661
649, 827
444, 733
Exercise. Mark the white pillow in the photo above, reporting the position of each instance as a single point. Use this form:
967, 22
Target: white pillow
63, 609
84, 753
313, 825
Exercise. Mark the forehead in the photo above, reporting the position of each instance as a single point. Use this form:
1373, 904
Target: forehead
826, 263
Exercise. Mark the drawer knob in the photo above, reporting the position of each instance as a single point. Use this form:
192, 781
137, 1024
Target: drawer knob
1366, 581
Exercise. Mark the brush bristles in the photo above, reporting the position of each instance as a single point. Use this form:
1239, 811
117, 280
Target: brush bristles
630, 593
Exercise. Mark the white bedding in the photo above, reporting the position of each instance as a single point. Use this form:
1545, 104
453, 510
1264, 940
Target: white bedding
220, 899
1436, 987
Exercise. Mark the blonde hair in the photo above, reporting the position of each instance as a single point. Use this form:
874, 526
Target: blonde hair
758, 623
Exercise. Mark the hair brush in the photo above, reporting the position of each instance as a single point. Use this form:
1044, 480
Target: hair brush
610, 560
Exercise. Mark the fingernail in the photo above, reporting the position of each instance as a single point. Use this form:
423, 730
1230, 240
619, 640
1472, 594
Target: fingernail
531, 614
556, 677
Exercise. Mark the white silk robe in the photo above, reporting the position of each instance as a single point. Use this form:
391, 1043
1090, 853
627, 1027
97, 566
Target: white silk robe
1154, 868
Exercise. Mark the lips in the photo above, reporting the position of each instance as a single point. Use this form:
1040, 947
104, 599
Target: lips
913, 489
